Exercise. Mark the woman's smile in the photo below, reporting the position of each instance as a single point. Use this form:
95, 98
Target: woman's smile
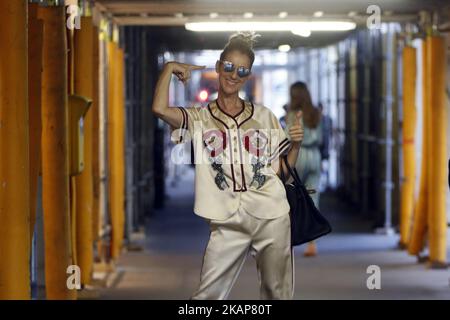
232, 82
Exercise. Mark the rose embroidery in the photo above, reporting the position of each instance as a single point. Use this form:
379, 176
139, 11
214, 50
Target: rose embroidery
215, 143
255, 142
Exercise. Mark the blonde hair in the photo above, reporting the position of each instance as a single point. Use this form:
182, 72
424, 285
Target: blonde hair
243, 42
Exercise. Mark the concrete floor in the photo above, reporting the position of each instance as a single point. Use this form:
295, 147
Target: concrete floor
169, 266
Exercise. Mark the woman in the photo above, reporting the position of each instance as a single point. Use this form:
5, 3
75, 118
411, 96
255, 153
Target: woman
238, 190
309, 162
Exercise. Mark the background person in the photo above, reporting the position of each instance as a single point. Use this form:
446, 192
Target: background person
308, 164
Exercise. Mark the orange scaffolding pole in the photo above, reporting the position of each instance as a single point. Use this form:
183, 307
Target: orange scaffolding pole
72, 181
116, 156
14, 150
96, 136
35, 42
55, 161
408, 144
121, 141
83, 86
437, 179
417, 240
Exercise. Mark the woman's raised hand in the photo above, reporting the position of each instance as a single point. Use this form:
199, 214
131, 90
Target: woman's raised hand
296, 130
183, 70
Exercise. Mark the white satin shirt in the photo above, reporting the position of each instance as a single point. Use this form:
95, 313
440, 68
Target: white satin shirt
235, 160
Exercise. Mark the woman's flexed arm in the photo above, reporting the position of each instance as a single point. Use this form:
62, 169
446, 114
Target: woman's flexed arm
160, 106
296, 133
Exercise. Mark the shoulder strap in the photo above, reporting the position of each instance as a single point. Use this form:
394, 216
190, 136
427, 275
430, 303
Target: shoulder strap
293, 172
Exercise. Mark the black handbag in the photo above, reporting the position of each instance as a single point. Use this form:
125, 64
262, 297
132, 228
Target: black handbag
307, 223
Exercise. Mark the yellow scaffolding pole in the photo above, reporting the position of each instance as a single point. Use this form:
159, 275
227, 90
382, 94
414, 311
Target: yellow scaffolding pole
437, 179
96, 136
14, 151
121, 141
35, 42
103, 244
83, 86
55, 161
116, 156
416, 243
408, 144
72, 179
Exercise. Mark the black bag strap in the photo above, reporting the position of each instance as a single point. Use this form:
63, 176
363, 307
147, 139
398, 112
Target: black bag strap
283, 177
293, 172
295, 175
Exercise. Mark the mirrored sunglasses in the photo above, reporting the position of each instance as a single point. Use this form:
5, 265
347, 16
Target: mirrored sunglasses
241, 71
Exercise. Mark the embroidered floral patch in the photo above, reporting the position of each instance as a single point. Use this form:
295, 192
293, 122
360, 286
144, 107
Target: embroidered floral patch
220, 177
215, 143
258, 178
255, 142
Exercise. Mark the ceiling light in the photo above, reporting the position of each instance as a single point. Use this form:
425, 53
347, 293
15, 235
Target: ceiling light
209, 26
318, 14
283, 14
179, 15
248, 15
352, 13
302, 32
330, 25
284, 48
213, 15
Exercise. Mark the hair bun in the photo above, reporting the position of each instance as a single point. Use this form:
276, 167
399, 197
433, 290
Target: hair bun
248, 37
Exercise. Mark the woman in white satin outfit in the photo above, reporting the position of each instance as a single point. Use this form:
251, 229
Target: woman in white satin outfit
238, 190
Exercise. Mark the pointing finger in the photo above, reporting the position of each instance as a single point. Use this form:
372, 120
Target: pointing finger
192, 67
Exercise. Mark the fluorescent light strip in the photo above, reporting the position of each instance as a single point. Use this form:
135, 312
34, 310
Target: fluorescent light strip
301, 32
284, 48
318, 14
270, 26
